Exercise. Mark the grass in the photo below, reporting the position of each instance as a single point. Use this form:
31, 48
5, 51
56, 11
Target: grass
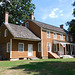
38, 67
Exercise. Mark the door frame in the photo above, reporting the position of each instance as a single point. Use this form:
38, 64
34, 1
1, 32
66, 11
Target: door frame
32, 49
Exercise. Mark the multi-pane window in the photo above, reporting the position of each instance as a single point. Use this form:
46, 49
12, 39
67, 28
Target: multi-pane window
55, 47
67, 39
48, 47
71, 39
27, 24
48, 34
55, 36
39, 47
5, 33
61, 36
21, 47
8, 47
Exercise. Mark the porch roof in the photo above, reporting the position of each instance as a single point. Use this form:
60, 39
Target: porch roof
56, 41
21, 32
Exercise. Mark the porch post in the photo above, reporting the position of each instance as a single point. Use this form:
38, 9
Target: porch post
65, 50
10, 48
59, 49
70, 49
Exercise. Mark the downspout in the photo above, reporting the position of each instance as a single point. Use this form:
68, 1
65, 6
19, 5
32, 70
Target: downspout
10, 48
41, 44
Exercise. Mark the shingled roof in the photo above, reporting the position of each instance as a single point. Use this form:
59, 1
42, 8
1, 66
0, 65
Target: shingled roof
21, 32
47, 26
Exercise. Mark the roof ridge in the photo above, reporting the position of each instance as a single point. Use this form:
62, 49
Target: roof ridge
47, 24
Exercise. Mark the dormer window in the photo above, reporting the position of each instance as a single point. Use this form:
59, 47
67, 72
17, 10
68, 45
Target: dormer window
5, 33
27, 24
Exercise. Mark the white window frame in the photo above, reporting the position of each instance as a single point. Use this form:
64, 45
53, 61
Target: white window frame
56, 48
47, 47
38, 47
7, 47
61, 36
67, 38
26, 25
71, 38
48, 35
5, 33
55, 37
23, 47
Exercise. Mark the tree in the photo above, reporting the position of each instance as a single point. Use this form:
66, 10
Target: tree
72, 24
19, 10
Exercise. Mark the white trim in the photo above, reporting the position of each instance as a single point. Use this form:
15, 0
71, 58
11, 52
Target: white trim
18, 47
38, 47
49, 45
28, 39
28, 24
10, 48
7, 47
41, 44
61, 36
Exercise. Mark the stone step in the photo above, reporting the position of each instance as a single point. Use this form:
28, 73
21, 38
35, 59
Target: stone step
32, 58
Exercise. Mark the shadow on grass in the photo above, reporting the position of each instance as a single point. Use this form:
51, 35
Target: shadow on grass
48, 68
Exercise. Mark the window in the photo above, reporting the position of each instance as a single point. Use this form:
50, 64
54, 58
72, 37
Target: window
71, 39
8, 47
67, 38
27, 24
55, 36
48, 47
55, 47
48, 34
61, 36
39, 47
5, 33
21, 47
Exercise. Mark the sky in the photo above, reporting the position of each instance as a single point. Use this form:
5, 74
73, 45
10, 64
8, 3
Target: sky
54, 12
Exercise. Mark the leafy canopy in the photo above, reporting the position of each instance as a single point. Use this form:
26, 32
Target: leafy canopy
72, 24
19, 10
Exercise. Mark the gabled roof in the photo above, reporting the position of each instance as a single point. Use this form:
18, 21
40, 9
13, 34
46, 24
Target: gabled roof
50, 27
21, 32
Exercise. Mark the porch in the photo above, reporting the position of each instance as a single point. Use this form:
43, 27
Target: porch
64, 48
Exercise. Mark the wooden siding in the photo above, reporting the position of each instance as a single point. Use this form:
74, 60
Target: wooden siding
16, 54
50, 40
4, 41
34, 28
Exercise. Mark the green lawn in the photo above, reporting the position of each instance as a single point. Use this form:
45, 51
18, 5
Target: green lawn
38, 67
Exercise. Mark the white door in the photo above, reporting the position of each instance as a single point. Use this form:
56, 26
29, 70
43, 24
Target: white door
30, 49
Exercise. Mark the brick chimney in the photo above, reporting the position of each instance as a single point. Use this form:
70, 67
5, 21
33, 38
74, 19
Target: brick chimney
31, 16
62, 26
6, 17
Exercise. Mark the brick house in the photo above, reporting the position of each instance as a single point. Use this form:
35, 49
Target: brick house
34, 39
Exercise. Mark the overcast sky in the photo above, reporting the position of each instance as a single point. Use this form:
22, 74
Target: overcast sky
54, 12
